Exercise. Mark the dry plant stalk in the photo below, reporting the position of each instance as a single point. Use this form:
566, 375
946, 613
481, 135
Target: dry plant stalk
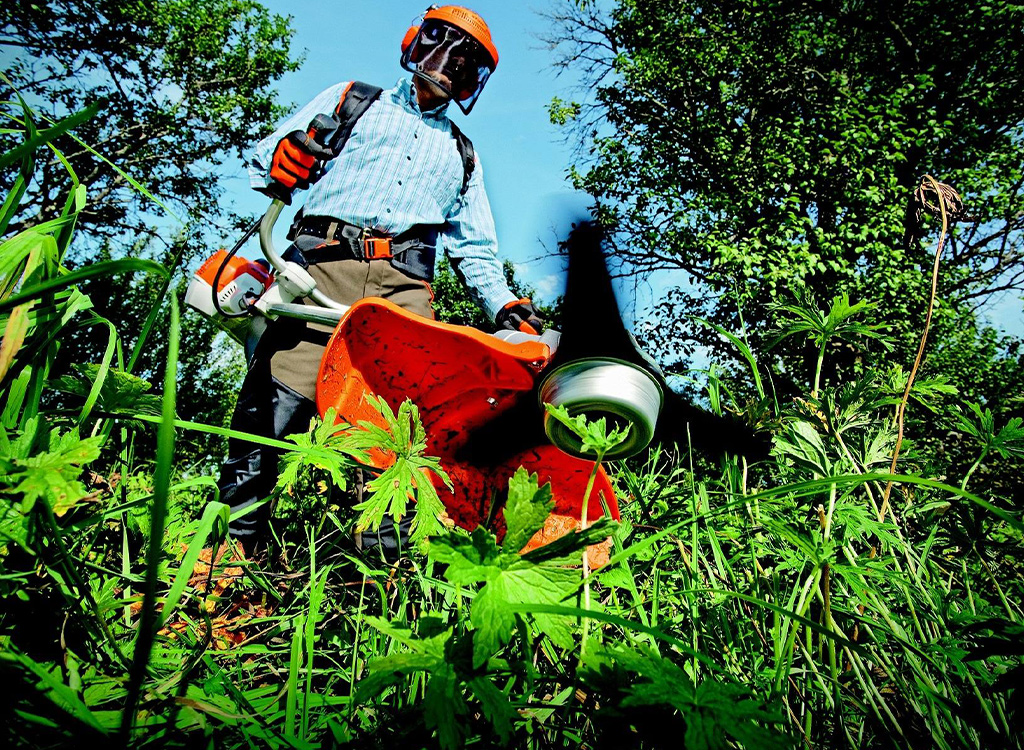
950, 207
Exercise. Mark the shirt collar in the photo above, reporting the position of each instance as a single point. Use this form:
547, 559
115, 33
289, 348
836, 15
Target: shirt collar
405, 93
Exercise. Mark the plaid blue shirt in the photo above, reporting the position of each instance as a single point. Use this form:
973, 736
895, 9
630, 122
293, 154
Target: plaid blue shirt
400, 168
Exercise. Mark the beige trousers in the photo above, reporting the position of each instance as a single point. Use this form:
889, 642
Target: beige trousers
296, 347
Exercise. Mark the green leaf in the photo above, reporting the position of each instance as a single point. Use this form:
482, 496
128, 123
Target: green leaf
13, 337
21, 256
566, 547
471, 559
338, 456
743, 349
408, 478
821, 327
32, 471
119, 393
802, 444
443, 705
526, 510
594, 435
425, 655
392, 669
93, 270
50, 684
496, 706
43, 137
710, 711
1007, 441
509, 579
527, 582
214, 514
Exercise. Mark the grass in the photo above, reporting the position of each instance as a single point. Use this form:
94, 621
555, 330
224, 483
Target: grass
744, 605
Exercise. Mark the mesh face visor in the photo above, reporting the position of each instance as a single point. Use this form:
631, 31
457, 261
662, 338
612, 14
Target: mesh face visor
451, 59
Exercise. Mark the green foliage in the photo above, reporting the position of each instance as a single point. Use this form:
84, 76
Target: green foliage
767, 604
821, 327
710, 715
336, 459
1007, 441
448, 678
594, 436
120, 393
182, 86
405, 439
526, 509
457, 660
561, 112
40, 463
508, 577
768, 149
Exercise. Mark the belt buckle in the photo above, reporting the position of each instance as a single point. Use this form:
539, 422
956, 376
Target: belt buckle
375, 248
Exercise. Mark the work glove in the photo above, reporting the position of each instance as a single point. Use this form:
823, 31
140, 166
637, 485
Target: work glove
297, 163
520, 316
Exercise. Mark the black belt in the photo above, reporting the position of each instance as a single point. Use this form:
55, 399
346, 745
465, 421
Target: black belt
411, 252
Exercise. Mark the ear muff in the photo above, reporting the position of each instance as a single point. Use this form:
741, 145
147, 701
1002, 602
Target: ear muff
409, 38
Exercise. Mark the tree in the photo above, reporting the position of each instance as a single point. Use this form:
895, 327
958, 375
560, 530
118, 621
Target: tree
768, 148
183, 86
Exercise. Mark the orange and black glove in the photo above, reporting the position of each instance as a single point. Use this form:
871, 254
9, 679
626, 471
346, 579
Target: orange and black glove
520, 316
297, 163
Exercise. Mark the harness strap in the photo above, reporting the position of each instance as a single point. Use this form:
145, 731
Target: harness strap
355, 100
412, 252
467, 154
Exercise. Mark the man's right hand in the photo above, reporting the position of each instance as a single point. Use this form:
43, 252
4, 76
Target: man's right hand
294, 164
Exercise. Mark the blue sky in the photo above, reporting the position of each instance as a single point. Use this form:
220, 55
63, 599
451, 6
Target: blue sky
523, 156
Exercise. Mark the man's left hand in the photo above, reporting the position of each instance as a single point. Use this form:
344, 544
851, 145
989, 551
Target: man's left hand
520, 316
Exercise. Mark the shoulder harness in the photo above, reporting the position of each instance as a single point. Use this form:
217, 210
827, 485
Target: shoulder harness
357, 98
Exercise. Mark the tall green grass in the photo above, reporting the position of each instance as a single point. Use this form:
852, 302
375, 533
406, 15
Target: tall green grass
744, 605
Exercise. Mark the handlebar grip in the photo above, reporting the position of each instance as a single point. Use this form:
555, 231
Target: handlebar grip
278, 192
321, 131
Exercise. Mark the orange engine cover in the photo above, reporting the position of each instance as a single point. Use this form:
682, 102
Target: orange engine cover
476, 397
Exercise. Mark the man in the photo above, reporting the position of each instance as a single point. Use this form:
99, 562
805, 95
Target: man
405, 181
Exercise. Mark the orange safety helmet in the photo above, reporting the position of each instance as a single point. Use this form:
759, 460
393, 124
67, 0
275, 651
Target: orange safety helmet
432, 38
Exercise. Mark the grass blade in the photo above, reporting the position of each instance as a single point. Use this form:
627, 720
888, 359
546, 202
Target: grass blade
43, 137
93, 270
161, 483
214, 521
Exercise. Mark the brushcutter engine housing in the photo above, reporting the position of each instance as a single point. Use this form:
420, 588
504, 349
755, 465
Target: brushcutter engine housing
239, 284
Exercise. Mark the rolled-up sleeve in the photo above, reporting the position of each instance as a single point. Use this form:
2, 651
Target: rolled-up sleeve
259, 162
471, 243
